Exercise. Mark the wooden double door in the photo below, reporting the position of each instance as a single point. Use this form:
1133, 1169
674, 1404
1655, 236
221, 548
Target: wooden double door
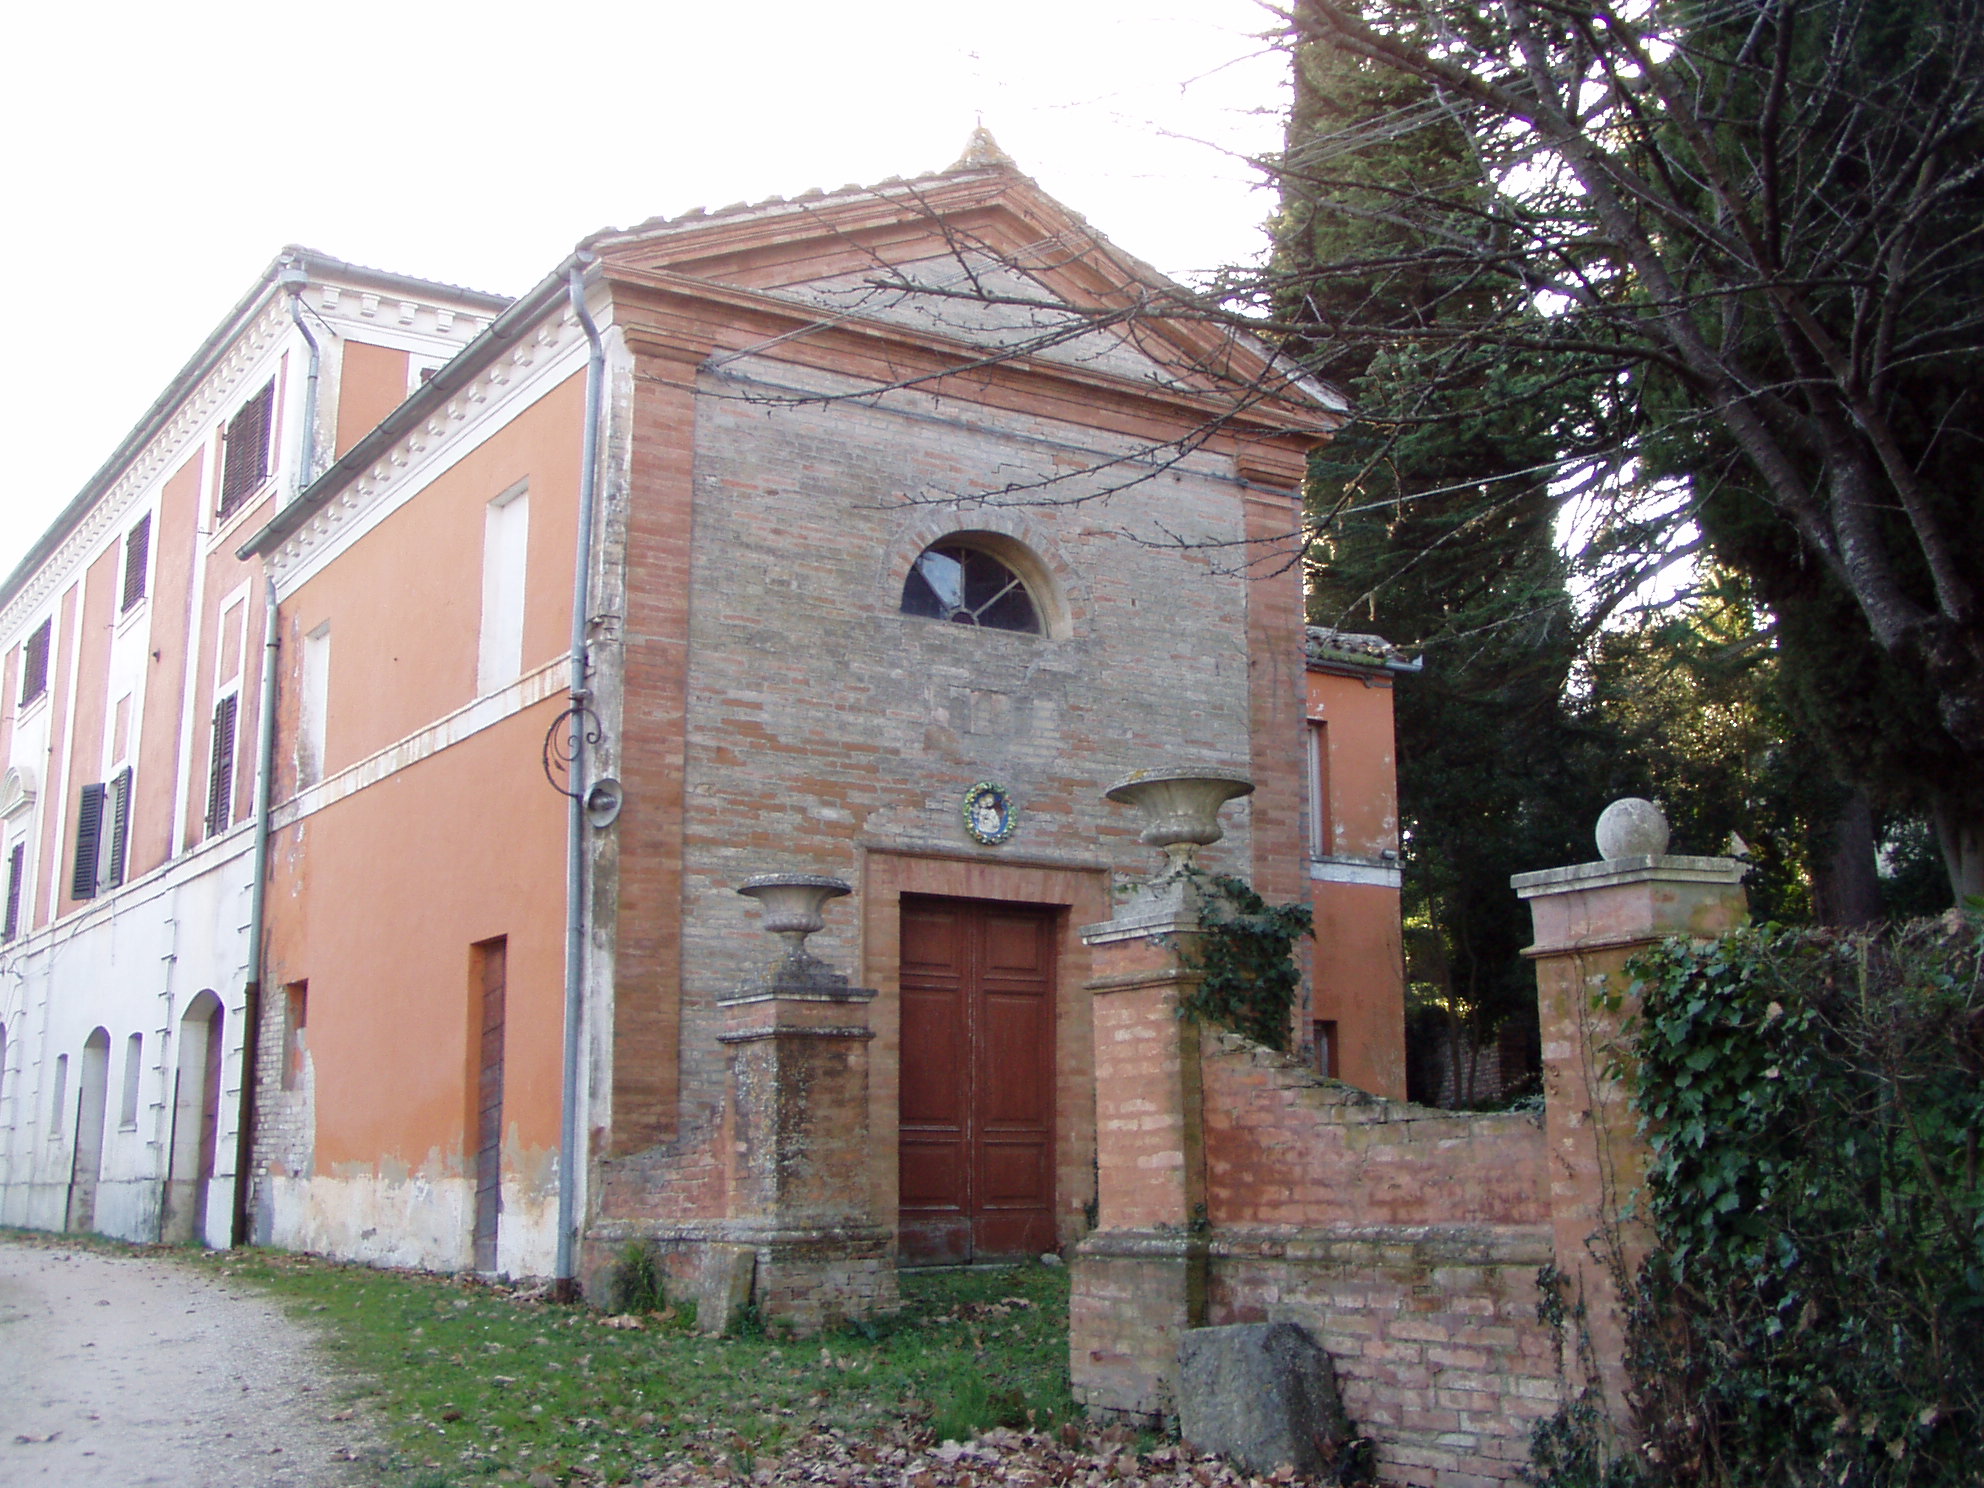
976, 1135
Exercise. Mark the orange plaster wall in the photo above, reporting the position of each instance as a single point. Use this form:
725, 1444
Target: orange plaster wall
405, 603
224, 576
10, 694
157, 766
1363, 774
371, 384
1360, 955
400, 879
378, 896
92, 676
1360, 983
61, 637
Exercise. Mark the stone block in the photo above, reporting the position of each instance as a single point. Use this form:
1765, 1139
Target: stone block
1264, 1396
722, 1287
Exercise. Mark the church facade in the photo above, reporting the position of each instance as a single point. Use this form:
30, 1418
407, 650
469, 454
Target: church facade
869, 535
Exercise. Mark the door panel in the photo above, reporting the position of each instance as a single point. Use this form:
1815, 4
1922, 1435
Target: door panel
492, 968
977, 1118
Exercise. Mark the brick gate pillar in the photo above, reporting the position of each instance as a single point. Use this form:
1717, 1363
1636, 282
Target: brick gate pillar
1139, 1278
796, 1150
1589, 920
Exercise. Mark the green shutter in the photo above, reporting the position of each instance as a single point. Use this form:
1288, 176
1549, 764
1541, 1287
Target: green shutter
220, 769
120, 826
89, 842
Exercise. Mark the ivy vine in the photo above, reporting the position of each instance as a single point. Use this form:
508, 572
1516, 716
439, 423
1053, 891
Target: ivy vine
1245, 959
1813, 1311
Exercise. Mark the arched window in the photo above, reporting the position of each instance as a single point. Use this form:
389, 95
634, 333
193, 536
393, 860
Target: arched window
969, 586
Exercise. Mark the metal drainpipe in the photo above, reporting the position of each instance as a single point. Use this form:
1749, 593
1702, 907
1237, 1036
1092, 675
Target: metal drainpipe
569, 1148
293, 280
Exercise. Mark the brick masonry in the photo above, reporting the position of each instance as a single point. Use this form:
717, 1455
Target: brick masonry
1240, 1186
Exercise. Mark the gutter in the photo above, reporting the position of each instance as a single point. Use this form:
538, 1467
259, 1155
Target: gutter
569, 1155
291, 278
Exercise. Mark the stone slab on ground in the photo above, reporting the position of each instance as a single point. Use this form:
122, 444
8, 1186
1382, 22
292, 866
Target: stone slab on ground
1262, 1395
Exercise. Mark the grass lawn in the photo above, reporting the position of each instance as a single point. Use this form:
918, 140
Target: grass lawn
484, 1383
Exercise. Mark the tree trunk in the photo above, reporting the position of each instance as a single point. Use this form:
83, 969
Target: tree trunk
1960, 832
1846, 885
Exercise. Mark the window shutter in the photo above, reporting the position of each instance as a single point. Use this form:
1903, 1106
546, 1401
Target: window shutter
246, 462
89, 842
17, 862
137, 554
220, 771
34, 664
120, 826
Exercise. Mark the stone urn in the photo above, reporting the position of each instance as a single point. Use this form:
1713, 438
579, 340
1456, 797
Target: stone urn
1180, 809
793, 907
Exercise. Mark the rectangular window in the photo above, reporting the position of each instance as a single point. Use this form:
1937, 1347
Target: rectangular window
134, 1068
220, 767
506, 527
245, 464
34, 663
17, 867
1319, 788
89, 842
137, 558
316, 701
55, 1115
1327, 1048
103, 830
297, 997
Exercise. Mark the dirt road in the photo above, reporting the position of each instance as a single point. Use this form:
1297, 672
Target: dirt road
128, 1370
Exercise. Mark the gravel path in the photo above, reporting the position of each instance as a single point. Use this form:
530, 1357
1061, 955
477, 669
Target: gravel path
128, 1370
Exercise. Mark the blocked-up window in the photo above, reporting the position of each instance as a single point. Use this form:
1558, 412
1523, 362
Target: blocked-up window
137, 560
220, 766
59, 1108
134, 1066
245, 461
295, 1032
17, 867
505, 536
1318, 744
313, 721
34, 663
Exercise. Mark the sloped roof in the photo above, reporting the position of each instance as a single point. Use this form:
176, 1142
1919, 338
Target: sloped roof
211, 351
982, 205
1322, 646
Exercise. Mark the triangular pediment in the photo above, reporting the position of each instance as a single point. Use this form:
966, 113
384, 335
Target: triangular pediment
971, 295
978, 256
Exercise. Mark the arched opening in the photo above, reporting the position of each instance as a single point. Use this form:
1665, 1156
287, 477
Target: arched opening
86, 1167
195, 1120
982, 579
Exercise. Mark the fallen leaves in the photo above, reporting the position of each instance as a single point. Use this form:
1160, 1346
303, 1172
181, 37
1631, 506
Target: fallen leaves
1075, 1457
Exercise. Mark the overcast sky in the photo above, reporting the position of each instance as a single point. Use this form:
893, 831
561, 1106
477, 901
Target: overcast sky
157, 156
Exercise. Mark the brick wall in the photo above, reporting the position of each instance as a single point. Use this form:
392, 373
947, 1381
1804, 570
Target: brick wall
808, 725
1406, 1239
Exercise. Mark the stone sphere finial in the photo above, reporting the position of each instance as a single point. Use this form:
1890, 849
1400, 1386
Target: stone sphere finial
1180, 808
793, 904
1632, 828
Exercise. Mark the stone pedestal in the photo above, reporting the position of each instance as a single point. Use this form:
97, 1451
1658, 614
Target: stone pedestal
1139, 1279
797, 1156
1589, 920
